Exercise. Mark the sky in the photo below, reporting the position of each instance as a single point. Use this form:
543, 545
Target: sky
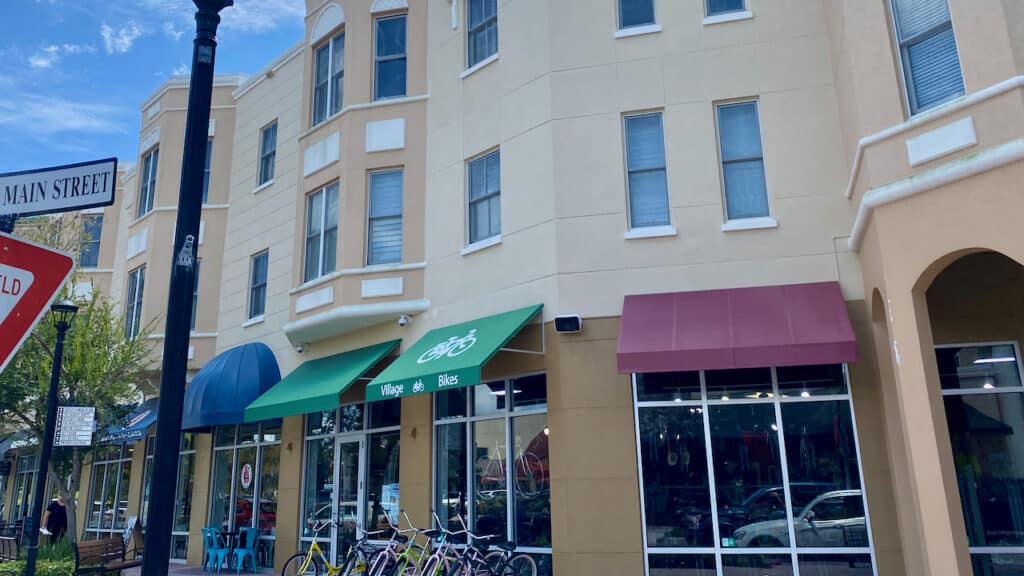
73, 73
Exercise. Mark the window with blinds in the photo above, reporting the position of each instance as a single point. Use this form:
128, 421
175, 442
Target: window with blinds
931, 63
739, 133
258, 285
384, 226
485, 197
645, 169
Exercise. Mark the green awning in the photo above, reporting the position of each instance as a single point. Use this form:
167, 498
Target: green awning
449, 357
316, 385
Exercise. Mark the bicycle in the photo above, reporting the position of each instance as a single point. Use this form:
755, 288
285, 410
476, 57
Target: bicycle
451, 348
476, 560
402, 555
314, 562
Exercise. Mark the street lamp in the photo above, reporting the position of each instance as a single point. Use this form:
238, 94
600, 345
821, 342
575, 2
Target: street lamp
62, 312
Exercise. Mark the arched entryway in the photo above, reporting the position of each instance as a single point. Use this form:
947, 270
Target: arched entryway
975, 307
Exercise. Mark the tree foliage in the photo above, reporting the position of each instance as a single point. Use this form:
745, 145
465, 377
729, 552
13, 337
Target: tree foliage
101, 367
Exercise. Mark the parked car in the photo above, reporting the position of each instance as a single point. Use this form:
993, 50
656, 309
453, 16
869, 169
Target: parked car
768, 503
833, 519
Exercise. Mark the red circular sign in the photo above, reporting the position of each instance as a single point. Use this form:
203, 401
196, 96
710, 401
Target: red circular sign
246, 476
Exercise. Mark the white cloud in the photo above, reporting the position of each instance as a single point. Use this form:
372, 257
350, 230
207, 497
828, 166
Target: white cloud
50, 55
181, 70
244, 16
121, 40
46, 116
172, 32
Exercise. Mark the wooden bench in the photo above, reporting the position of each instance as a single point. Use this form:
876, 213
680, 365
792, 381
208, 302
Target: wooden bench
8, 548
102, 556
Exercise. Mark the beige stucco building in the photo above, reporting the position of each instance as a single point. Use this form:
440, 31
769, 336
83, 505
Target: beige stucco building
645, 287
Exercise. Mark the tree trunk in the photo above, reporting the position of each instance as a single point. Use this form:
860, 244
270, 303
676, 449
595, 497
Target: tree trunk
67, 490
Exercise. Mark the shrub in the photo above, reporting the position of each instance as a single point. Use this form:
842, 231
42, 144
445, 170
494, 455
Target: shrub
43, 568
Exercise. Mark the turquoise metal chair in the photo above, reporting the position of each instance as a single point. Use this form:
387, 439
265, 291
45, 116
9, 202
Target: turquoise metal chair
216, 551
246, 549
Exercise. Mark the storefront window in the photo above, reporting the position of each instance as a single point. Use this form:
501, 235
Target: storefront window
24, 484
245, 479
182, 493
751, 458
491, 462
108, 490
984, 402
351, 471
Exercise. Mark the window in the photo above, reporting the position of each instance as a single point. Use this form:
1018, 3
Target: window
89, 245
133, 315
492, 464
328, 81
984, 397
268, 153
483, 30
258, 285
147, 183
195, 295
645, 167
384, 228
485, 197
182, 492
928, 52
389, 57
246, 473
739, 132
206, 171
321, 232
24, 486
737, 460
108, 490
351, 471
635, 13
716, 7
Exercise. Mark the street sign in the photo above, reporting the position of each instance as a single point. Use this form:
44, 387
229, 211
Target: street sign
74, 425
59, 188
30, 277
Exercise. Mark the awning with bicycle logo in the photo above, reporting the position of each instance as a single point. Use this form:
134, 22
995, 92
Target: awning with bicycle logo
317, 384
449, 357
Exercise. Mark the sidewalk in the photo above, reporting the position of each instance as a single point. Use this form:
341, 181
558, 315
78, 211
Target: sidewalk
173, 570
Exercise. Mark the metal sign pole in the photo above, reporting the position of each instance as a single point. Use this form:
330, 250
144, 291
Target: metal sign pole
175, 355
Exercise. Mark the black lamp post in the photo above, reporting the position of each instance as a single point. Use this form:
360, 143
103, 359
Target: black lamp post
62, 313
179, 300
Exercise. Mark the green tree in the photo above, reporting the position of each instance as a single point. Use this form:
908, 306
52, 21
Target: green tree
101, 367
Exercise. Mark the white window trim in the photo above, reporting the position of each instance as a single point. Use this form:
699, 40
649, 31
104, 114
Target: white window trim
263, 186
641, 30
323, 230
369, 219
479, 65
757, 223
329, 43
481, 245
728, 17
621, 28
254, 320
266, 285
651, 232
377, 59
262, 153
625, 166
469, 70
904, 85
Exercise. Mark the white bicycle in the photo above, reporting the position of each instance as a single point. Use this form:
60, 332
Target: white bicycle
451, 348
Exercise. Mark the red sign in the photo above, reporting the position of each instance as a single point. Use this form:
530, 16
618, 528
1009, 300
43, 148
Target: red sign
30, 276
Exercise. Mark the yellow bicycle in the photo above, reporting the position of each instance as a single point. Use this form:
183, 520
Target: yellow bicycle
313, 562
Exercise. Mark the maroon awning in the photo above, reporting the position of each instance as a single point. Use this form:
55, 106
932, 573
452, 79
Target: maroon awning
787, 325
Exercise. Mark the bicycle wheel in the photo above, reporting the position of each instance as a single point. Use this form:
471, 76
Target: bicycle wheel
298, 566
352, 566
520, 565
382, 564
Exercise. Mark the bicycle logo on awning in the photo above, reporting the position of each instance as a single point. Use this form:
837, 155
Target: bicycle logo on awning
451, 348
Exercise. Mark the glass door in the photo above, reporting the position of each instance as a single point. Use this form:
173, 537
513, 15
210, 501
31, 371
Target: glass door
348, 490
245, 488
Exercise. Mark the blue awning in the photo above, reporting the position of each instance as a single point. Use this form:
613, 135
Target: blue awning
135, 425
220, 391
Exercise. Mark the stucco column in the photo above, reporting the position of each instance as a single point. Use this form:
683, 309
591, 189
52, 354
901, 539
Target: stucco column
289, 491
138, 465
932, 487
414, 456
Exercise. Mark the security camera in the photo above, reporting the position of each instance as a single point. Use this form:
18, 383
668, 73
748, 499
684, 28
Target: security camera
300, 348
404, 320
